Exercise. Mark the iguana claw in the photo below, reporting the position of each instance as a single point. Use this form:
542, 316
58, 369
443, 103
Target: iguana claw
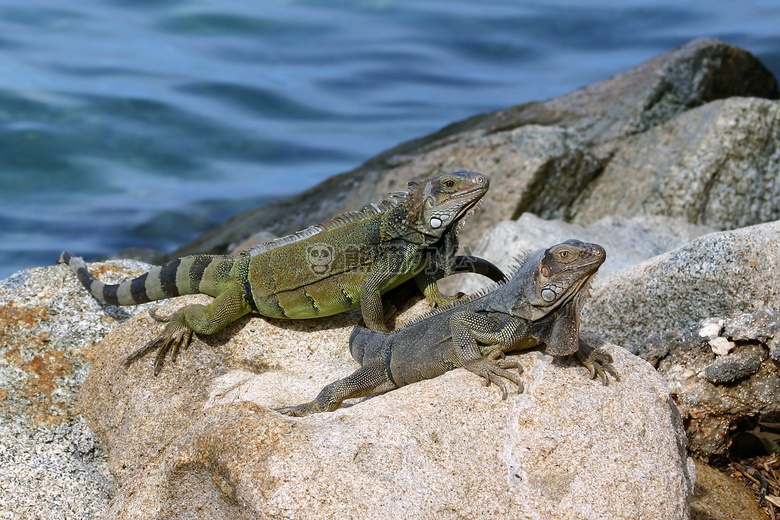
493, 367
598, 363
176, 334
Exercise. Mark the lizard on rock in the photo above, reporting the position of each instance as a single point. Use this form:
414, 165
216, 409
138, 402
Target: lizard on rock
539, 304
326, 269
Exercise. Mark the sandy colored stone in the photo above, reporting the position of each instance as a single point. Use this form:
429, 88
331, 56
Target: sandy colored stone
202, 439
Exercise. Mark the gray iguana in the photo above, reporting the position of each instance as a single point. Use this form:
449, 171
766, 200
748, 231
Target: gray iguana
539, 304
326, 269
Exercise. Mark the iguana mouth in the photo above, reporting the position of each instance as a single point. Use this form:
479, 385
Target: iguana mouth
467, 193
580, 288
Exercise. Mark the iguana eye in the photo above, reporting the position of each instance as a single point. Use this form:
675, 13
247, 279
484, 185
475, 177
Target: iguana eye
563, 254
449, 183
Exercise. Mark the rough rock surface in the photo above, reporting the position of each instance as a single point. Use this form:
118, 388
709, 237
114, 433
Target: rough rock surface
720, 374
718, 497
717, 165
50, 462
718, 275
202, 439
542, 154
703, 315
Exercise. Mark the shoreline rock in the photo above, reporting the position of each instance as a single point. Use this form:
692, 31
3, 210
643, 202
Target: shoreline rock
557, 450
571, 139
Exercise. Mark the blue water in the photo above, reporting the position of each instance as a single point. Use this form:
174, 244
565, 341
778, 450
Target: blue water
143, 123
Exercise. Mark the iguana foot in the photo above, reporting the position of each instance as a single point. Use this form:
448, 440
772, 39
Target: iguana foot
598, 362
493, 367
177, 334
301, 410
444, 299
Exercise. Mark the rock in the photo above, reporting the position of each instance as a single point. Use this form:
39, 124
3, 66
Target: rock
721, 346
202, 438
717, 393
569, 140
734, 366
718, 275
762, 325
51, 465
719, 497
674, 309
714, 165
627, 241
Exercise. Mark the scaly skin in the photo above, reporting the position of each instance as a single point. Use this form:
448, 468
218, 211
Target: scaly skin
347, 262
539, 304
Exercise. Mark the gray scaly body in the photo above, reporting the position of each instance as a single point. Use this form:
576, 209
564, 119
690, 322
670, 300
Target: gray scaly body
539, 304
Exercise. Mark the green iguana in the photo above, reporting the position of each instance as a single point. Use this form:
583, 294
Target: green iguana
323, 270
539, 304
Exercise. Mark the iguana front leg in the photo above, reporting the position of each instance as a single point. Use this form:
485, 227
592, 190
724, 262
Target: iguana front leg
428, 278
226, 308
370, 291
364, 381
426, 281
467, 328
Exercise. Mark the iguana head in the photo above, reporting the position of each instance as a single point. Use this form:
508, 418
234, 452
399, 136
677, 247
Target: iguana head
435, 205
552, 277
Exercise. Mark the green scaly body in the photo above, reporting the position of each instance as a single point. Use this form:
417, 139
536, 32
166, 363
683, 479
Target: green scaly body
323, 270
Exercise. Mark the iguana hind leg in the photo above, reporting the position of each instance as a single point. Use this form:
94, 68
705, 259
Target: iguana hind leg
226, 308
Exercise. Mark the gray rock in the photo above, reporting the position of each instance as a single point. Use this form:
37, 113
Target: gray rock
202, 438
735, 365
715, 165
51, 465
762, 325
585, 129
719, 274
681, 309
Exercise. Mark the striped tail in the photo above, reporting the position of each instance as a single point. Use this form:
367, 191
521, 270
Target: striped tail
177, 277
